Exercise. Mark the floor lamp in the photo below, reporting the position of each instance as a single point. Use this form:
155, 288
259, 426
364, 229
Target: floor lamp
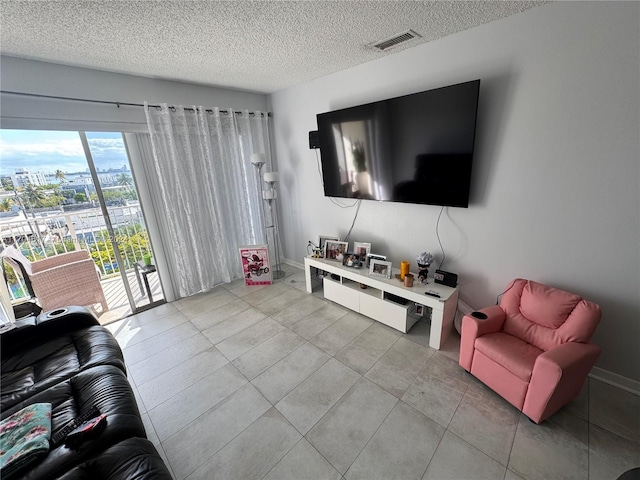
270, 196
258, 160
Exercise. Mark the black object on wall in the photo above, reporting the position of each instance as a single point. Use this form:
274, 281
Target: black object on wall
314, 139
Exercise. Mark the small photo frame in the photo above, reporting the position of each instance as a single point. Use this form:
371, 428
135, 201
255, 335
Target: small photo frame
362, 249
380, 268
335, 249
352, 260
373, 256
419, 310
323, 239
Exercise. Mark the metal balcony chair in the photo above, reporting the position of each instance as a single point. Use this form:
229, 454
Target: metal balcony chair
62, 280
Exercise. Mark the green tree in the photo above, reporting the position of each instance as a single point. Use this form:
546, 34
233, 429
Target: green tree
60, 175
33, 196
125, 180
7, 184
5, 204
80, 197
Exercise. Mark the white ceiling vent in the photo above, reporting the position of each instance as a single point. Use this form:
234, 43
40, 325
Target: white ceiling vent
395, 40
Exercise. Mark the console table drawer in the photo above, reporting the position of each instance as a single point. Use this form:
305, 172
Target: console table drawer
338, 293
389, 313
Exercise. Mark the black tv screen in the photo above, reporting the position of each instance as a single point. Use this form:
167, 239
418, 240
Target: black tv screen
416, 148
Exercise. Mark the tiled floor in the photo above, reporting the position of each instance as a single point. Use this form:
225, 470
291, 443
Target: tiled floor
272, 383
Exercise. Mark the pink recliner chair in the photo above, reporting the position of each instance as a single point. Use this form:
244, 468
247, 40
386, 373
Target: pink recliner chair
533, 349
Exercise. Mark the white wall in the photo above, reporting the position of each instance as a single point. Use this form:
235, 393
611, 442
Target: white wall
43, 78
556, 182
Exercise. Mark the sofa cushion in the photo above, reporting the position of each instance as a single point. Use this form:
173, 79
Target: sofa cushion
104, 387
546, 306
132, 458
510, 352
48, 362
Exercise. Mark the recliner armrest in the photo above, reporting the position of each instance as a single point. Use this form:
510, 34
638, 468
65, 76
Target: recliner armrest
557, 377
473, 328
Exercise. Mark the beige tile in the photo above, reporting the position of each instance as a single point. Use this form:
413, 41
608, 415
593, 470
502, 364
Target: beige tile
313, 398
547, 451
317, 321
129, 333
254, 452
243, 290
249, 338
257, 297
399, 366
615, 410
341, 333
168, 384
298, 310
165, 360
289, 372
401, 448
178, 411
276, 304
259, 359
196, 443
455, 459
344, 431
208, 319
367, 348
303, 462
233, 325
213, 300
610, 455
141, 351
486, 421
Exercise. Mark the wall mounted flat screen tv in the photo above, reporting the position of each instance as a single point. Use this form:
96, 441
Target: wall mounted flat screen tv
416, 148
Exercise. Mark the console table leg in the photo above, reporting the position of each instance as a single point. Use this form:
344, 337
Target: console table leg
307, 278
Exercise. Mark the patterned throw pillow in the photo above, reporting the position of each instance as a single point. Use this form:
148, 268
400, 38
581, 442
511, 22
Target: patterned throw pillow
24, 438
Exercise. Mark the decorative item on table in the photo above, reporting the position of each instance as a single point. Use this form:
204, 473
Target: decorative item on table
424, 262
380, 268
419, 310
373, 256
256, 267
361, 248
352, 260
146, 258
335, 250
405, 265
322, 239
316, 252
408, 280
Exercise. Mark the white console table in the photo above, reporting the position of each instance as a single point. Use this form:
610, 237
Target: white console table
373, 301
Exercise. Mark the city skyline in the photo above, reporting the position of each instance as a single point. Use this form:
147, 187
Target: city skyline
49, 151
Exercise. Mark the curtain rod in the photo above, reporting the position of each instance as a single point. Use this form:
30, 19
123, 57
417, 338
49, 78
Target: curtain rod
117, 104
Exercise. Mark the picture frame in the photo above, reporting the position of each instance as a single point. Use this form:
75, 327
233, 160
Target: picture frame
362, 248
419, 310
256, 267
374, 256
322, 239
380, 268
352, 260
335, 249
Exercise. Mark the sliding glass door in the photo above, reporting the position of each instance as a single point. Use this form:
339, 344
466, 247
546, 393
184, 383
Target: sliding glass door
64, 191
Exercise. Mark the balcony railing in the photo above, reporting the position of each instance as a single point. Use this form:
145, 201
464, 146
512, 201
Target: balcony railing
55, 232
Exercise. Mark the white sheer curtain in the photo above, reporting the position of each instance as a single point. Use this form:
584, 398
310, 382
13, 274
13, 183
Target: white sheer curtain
206, 189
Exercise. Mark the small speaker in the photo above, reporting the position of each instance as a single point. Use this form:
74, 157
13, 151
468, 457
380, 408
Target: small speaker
314, 139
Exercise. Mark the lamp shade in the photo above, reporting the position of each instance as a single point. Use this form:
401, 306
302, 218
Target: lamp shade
271, 177
257, 158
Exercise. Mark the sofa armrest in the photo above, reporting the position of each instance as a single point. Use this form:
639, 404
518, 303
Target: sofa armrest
557, 378
473, 328
47, 325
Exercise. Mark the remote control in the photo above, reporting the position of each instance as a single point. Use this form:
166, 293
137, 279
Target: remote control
59, 436
432, 294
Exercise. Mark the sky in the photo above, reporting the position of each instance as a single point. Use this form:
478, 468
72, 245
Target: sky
48, 151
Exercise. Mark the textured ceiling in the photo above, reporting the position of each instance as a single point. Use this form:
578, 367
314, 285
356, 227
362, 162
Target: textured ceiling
261, 46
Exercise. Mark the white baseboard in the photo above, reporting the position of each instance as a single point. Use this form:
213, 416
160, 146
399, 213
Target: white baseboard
293, 264
623, 383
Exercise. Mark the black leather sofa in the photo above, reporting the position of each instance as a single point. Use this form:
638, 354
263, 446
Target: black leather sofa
67, 359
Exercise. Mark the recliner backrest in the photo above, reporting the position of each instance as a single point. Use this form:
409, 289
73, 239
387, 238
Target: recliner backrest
547, 317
